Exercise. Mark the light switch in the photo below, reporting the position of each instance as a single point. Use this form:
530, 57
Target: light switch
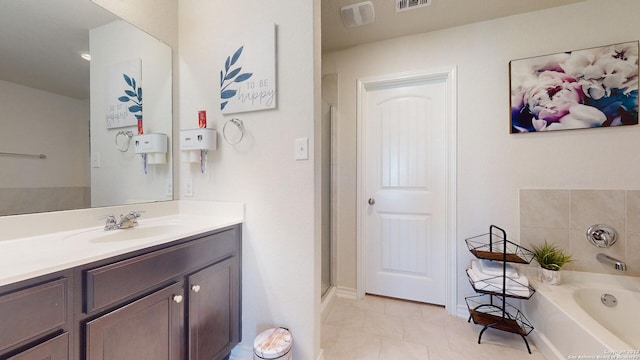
302, 149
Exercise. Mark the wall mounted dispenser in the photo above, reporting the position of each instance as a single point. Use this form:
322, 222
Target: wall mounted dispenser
195, 145
153, 145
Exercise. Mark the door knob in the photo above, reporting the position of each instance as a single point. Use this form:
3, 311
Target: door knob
195, 288
372, 201
177, 298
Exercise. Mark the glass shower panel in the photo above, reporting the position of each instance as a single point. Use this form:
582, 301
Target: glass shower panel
326, 196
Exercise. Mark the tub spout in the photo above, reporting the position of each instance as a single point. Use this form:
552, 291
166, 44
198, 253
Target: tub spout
606, 259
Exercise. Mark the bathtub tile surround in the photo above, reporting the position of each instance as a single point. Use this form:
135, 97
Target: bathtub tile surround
562, 216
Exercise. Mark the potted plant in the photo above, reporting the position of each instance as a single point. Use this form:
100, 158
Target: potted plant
551, 259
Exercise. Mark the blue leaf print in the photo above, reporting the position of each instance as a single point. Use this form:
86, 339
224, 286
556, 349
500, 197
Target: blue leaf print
134, 95
231, 77
243, 77
232, 74
236, 55
228, 94
135, 108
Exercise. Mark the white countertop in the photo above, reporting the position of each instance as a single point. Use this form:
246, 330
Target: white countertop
39, 252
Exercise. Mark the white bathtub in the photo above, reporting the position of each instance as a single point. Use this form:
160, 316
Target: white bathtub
570, 320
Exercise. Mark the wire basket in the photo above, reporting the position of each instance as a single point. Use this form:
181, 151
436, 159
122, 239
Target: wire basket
490, 311
491, 246
493, 285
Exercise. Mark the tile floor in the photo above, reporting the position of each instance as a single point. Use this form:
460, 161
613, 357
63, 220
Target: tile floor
388, 329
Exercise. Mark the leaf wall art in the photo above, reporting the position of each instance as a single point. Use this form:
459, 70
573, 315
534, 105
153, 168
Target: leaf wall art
248, 71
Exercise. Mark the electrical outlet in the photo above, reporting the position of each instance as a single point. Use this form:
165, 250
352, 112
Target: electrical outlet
188, 187
169, 189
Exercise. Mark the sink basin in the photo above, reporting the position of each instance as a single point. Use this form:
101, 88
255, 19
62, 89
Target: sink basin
133, 233
139, 232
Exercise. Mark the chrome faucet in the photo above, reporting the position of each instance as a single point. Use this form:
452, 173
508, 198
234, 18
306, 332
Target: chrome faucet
126, 221
606, 259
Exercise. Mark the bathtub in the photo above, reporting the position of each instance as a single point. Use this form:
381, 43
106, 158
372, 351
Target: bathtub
571, 322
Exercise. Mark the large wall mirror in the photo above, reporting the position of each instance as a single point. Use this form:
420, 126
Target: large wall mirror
59, 146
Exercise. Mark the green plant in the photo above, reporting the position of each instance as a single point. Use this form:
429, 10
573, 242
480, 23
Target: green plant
550, 256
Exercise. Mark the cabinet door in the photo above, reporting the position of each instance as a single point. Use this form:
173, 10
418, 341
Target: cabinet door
148, 329
214, 311
54, 349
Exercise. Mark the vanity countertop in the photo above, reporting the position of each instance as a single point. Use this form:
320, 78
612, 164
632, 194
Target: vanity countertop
25, 257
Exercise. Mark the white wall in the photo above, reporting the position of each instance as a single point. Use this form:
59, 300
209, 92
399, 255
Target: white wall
157, 17
492, 164
120, 178
280, 274
38, 122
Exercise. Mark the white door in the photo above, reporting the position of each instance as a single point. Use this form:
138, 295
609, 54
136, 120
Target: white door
405, 176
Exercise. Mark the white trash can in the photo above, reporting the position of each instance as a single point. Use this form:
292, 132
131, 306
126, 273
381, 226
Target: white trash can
273, 344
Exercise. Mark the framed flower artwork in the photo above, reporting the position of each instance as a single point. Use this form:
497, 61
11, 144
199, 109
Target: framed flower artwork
590, 88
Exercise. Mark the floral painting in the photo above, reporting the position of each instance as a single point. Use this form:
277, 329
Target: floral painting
589, 88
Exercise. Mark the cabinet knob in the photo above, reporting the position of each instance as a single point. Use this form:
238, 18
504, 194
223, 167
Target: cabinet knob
195, 288
177, 298
372, 201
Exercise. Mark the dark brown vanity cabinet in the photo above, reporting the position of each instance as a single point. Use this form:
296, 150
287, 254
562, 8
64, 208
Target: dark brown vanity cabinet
149, 328
214, 311
178, 301
34, 319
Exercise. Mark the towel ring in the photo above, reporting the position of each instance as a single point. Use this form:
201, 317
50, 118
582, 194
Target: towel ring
125, 146
238, 123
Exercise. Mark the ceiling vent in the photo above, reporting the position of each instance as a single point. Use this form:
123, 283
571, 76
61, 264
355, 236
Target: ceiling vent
404, 5
358, 14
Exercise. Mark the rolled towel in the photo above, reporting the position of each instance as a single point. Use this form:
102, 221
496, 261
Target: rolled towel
517, 281
513, 290
495, 268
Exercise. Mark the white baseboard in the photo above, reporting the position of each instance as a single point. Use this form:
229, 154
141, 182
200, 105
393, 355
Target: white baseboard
346, 293
242, 352
327, 303
462, 311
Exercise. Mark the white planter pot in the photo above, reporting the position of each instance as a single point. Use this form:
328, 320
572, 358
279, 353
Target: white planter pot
548, 276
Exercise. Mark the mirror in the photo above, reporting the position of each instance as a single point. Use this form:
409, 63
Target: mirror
58, 148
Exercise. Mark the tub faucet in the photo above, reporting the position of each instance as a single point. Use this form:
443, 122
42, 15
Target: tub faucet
126, 221
606, 259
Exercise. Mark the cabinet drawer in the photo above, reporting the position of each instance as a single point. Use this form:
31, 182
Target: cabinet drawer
110, 284
54, 349
32, 312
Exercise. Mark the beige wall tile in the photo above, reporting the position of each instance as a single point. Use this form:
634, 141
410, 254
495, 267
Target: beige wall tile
633, 255
589, 207
544, 208
584, 254
633, 212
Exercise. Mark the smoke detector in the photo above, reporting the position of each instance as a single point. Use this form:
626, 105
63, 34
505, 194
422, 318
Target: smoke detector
358, 14
404, 5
